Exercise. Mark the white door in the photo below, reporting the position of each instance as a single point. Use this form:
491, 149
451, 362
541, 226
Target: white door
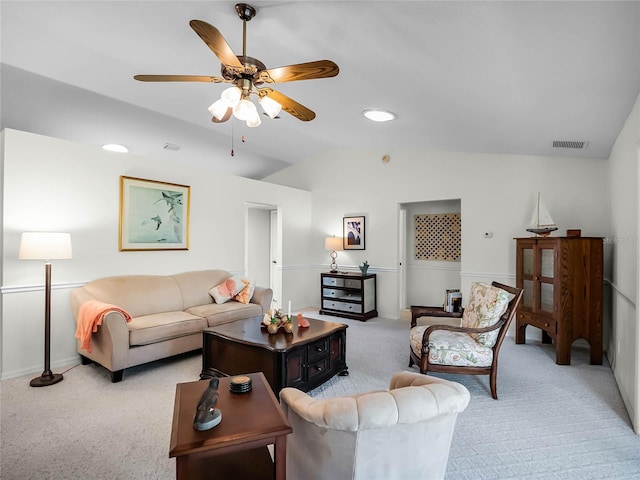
261, 247
402, 259
275, 262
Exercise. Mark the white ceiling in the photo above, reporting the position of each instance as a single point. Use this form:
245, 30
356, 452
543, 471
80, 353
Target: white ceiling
493, 77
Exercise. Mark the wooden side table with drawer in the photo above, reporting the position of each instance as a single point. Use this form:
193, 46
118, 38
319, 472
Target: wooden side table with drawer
348, 295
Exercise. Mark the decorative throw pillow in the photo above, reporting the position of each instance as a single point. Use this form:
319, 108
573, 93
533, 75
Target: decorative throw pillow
484, 308
246, 293
227, 290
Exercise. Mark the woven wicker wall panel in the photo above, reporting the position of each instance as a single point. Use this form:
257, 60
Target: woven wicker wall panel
437, 236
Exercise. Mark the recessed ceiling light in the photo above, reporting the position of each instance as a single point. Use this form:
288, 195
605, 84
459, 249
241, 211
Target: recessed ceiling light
378, 115
114, 147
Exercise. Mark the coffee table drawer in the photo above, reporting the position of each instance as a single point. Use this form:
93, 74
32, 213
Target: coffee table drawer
317, 368
318, 349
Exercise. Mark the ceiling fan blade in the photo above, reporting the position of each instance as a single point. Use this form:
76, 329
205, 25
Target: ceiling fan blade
300, 71
216, 42
226, 117
178, 78
290, 106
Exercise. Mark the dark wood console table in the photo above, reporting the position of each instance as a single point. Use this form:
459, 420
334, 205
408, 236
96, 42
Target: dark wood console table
303, 359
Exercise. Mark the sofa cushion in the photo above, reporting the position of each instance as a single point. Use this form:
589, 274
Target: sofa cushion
484, 308
451, 348
227, 290
154, 328
245, 295
195, 285
138, 294
217, 314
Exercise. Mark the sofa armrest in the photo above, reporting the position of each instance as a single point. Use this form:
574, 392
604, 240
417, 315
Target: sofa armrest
262, 296
111, 342
339, 413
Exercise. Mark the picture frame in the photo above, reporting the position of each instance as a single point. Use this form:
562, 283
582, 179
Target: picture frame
353, 233
154, 215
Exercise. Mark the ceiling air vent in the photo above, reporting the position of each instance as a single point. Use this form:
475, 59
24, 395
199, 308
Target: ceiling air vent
569, 144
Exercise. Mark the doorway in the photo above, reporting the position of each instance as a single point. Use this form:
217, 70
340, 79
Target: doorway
262, 248
423, 281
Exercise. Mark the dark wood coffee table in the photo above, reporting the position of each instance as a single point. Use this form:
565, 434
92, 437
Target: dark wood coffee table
237, 447
303, 359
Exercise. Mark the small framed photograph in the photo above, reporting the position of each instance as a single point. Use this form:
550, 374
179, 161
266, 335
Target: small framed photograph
153, 215
353, 233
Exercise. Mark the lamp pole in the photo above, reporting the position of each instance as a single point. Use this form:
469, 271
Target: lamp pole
47, 378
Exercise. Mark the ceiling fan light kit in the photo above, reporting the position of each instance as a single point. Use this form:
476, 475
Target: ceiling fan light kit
247, 75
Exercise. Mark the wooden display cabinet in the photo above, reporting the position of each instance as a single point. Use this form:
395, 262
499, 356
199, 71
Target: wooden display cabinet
562, 280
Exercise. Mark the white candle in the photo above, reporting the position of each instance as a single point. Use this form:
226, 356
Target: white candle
289, 314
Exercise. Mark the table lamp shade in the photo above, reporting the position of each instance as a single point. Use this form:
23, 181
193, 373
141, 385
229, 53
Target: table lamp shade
333, 243
45, 246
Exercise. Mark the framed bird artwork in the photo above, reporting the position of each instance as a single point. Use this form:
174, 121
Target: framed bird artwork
153, 215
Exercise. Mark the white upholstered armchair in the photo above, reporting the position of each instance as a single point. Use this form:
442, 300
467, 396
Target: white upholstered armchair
374, 435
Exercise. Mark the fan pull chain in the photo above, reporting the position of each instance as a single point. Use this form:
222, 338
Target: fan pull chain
232, 153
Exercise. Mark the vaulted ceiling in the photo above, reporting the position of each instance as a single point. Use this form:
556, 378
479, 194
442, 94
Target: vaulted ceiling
491, 77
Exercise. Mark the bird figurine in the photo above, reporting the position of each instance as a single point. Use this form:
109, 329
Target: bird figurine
207, 416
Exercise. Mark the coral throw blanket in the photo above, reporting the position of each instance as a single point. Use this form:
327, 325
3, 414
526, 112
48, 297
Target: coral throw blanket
90, 315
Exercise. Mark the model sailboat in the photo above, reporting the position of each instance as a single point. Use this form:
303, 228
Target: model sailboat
541, 222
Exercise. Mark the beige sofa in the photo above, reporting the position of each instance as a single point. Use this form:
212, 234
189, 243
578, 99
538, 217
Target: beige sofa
402, 433
168, 315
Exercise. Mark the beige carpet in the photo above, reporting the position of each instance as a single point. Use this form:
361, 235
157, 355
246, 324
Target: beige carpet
550, 422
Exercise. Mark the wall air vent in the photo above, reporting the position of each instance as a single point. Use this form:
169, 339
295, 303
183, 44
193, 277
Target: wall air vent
171, 146
569, 144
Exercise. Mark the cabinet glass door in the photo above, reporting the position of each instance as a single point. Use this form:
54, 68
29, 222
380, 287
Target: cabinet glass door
547, 269
546, 262
527, 261
527, 293
546, 297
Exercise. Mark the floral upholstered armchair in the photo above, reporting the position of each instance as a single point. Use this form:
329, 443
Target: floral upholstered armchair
471, 348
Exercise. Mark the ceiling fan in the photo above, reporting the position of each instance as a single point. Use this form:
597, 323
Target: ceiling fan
247, 75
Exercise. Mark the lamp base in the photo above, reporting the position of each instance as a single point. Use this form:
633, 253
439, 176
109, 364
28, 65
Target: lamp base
46, 380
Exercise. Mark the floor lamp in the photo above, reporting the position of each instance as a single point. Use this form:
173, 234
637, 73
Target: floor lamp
46, 246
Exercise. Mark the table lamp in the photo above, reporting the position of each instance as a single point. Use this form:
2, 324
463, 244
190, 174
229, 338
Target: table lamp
332, 244
46, 246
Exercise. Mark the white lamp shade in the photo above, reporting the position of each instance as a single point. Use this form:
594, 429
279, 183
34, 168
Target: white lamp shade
231, 96
254, 121
244, 110
270, 106
218, 109
45, 246
333, 243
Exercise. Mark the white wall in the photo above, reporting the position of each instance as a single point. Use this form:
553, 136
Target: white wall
50, 184
497, 194
623, 245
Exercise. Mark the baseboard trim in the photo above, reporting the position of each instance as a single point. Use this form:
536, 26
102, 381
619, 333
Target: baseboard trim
60, 364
